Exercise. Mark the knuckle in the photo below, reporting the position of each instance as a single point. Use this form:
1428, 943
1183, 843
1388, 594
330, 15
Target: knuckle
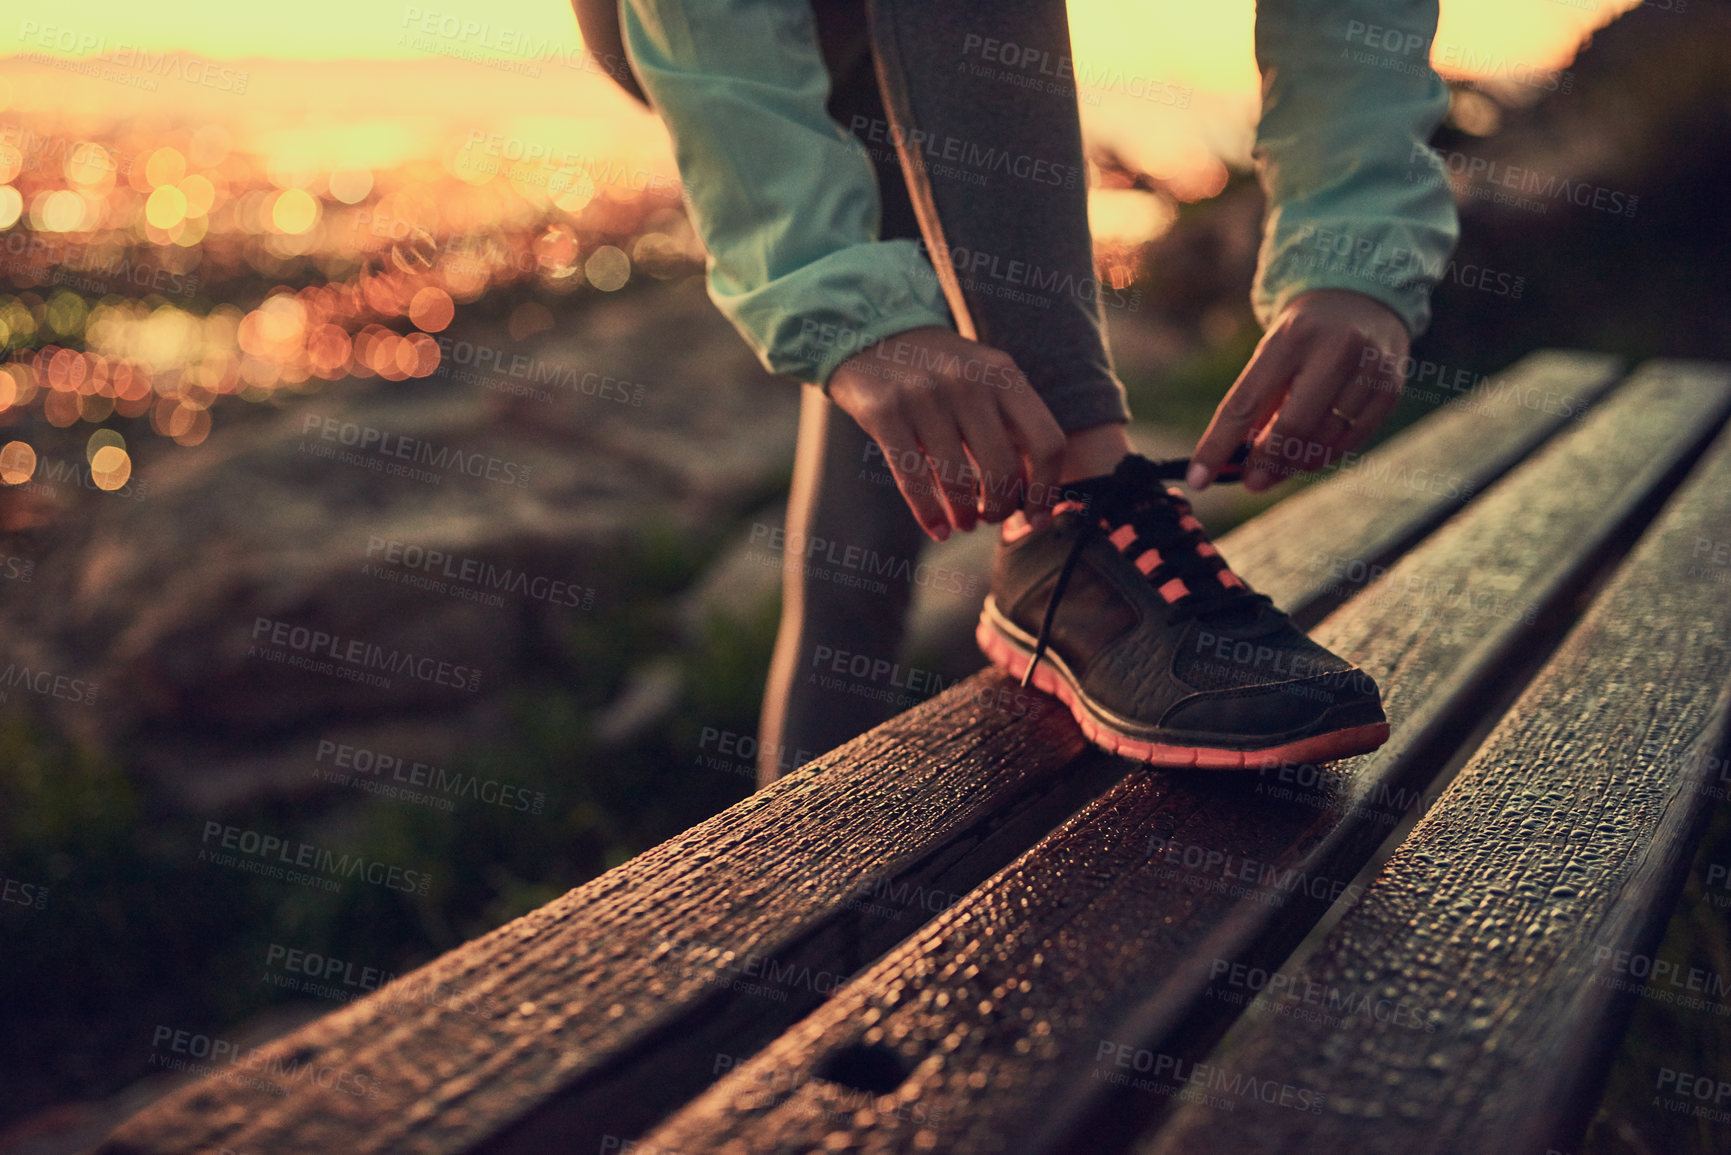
876, 407
1302, 324
1239, 406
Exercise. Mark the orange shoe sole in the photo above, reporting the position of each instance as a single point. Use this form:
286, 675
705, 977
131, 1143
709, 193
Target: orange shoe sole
1054, 678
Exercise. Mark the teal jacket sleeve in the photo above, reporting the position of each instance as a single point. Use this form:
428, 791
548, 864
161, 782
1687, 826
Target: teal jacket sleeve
1357, 199
785, 201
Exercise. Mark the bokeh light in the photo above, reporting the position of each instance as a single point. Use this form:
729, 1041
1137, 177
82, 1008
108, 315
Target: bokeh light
110, 467
100, 439
166, 207
200, 194
236, 255
351, 184
431, 309
62, 211
17, 462
608, 268
294, 211
165, 166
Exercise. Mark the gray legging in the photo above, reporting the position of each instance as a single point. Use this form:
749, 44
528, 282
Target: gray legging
978, 151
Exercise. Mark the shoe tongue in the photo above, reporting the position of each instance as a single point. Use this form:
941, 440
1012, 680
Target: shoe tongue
1141, 468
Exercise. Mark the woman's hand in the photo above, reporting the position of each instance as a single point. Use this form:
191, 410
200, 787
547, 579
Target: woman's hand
966, 437
1324, 376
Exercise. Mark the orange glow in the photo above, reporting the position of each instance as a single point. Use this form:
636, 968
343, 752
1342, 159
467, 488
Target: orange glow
384, 359
294, 211
416, 355
17, 462
110, 467
431, 309
211, 145
164, 167
65, 370
23, 382
200, 194
328, 351
608, 268
189, 426
351, 184
61, 409
407, 180
61, 211
166, 207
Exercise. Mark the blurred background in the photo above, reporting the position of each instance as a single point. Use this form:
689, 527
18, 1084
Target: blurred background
376, 477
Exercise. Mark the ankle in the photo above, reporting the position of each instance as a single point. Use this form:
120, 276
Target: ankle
1095, 451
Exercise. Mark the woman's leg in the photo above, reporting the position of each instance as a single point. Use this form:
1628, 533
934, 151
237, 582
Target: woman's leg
841, 493
982, 107
1013, 212
812, 702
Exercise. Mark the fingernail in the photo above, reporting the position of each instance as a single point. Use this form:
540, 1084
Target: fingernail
1257, 480
1199, 476
941, 531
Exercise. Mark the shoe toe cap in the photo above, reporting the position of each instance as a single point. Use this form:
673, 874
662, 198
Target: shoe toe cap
1340, 699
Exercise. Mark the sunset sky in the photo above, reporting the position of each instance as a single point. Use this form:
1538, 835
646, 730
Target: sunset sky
322, 83
421, 157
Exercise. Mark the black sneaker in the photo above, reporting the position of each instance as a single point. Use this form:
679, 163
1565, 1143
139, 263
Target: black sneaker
1123, 609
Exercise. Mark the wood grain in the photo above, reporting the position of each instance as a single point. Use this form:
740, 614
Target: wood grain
1562, 843
705, 945
621, 999
986, 1030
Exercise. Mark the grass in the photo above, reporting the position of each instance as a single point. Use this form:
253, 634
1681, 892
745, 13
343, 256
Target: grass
136, 931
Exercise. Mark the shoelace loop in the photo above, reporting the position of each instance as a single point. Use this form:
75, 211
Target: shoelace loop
1124, 497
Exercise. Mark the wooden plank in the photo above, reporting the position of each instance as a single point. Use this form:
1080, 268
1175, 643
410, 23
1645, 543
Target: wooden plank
711, 942
1106, 934
1510, 917
622, 973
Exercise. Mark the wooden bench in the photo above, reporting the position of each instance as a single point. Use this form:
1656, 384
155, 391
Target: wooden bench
968, 931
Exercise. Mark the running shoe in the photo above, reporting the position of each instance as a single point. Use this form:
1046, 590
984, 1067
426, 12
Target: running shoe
1123, 609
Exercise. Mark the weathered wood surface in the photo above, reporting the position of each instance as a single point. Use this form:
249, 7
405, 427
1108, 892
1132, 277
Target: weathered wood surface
1384, 502
1102, 941
708, 944
639, 985
1510, 917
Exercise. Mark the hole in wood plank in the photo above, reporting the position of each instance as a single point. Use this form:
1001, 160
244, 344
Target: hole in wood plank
870, 1067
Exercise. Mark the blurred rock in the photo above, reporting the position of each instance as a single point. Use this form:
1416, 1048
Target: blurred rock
435, 535
651, 693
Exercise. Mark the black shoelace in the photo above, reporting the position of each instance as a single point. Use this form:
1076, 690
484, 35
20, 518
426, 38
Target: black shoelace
1134, 495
